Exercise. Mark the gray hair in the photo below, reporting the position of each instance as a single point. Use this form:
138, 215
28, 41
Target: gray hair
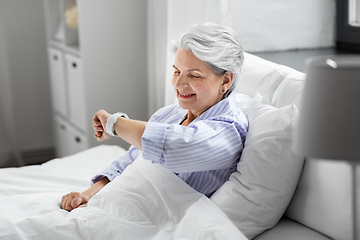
218, 46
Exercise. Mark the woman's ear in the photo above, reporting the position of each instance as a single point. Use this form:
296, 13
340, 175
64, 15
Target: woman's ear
227, 80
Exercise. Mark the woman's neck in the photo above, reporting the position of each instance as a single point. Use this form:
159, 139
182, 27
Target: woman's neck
190, 116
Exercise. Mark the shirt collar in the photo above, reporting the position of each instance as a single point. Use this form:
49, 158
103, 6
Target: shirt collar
225, 105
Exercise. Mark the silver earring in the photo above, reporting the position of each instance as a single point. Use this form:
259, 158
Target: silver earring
222, 90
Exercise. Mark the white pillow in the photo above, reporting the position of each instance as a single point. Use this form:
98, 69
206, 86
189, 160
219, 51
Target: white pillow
242, 99
259, 75
257, 195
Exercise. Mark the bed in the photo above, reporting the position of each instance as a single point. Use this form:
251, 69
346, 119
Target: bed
149, 202
146, 202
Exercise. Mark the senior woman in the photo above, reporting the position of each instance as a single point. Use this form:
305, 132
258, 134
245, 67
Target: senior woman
201, 138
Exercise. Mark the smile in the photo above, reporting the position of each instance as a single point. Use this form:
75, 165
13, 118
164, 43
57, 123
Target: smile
186, 95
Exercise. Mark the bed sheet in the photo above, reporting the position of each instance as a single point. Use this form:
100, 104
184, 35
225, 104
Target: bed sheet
145, 202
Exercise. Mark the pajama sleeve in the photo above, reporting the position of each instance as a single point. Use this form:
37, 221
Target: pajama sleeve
117, 166
202, 146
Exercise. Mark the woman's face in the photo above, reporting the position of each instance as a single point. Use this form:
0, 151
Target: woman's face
197, 88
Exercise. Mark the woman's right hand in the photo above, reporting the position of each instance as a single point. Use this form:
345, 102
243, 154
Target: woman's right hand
74, 200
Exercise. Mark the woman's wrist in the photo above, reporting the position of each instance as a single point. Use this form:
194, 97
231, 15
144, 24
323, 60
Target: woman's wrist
130, 130
90, 192
111, 121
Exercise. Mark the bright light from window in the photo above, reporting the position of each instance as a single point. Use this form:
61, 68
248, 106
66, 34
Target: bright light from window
354, 13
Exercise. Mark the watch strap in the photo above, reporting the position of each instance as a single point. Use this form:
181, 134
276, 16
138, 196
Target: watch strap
110, 123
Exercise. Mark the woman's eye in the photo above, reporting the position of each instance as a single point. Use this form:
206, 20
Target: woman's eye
177, 72
195, 76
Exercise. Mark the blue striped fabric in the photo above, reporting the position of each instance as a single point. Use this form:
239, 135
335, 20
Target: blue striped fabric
203, 154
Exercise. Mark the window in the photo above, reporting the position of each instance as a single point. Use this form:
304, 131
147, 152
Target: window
348, 25
354, 13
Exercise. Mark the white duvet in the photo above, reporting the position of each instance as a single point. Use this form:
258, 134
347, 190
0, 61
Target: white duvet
145, 202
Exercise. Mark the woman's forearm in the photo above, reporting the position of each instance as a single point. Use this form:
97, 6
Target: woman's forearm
130, 130
90, 192
74, 200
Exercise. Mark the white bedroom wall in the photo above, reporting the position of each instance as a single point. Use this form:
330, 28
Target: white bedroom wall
262, 25
273, 25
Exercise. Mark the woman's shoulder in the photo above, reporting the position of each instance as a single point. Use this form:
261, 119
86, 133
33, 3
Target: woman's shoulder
167, 112
169, 108
231, 114
225, 109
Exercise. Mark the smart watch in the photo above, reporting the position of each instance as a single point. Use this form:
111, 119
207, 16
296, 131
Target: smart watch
110, 123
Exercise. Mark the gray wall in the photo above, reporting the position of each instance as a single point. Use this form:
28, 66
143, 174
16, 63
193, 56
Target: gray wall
23, 39
25, 60
114, 55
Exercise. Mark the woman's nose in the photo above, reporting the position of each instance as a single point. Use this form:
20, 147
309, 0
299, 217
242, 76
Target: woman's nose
181, 82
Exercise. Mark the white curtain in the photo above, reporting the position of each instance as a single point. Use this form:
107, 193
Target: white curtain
9, 151
157, 42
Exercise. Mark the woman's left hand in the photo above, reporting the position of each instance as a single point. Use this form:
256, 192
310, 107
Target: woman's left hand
99, 125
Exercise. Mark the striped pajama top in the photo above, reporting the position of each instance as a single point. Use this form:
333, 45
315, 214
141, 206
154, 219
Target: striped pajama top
203, 154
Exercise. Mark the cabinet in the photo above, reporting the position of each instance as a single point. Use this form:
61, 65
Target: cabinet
76, 97
68, 139
57, 78
95, 63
